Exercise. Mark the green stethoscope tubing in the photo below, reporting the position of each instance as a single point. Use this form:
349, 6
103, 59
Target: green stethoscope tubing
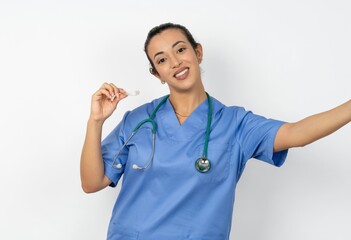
202, 164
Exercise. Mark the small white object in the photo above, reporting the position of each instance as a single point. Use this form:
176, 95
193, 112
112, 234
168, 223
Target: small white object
119, 165
136, 166
135, 93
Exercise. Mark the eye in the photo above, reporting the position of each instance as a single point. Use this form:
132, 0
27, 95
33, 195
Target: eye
182, 49
161, 60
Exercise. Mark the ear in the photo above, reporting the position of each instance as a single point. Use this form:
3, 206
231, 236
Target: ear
154, 72
199, 53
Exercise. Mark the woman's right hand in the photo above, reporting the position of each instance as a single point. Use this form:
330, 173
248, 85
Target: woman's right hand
105, 100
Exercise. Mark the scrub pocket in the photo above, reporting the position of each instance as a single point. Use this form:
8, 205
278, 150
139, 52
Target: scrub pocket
218, 154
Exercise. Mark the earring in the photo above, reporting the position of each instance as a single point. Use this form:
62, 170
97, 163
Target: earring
163, 82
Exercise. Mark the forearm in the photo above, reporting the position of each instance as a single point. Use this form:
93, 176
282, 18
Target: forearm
313, 128
92, 167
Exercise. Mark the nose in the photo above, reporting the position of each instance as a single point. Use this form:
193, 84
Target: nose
176, 62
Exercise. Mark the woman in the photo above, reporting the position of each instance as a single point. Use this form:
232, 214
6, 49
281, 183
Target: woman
182, 185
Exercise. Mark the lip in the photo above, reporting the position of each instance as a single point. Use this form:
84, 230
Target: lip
181, 70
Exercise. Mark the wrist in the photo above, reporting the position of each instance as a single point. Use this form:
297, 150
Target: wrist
92, 122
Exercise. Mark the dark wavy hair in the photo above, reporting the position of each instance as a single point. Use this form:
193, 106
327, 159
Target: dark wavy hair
159, 29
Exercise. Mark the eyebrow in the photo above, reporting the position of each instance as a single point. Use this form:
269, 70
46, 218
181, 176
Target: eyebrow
174, 44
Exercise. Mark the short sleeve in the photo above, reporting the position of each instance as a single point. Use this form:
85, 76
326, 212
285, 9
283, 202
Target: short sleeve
110, 148
256, 135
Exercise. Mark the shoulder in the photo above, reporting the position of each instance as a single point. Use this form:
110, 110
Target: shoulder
133, 117
237, 117
232, 112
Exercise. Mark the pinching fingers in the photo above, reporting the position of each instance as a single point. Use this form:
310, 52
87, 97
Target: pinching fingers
120, 93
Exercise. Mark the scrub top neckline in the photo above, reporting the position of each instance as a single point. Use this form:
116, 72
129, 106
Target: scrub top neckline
193, 124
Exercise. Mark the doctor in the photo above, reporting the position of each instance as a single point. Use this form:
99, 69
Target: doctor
180, 184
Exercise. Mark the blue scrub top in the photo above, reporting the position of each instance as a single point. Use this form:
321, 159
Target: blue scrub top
171, 200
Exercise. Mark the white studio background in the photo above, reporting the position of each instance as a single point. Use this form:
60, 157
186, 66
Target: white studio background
281, 59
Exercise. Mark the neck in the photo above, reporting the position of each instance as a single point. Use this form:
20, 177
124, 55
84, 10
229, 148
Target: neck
185, 103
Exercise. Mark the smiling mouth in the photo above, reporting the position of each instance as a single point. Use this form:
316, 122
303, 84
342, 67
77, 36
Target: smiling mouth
180, 74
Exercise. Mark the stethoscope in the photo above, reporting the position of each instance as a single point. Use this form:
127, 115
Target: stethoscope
202, 164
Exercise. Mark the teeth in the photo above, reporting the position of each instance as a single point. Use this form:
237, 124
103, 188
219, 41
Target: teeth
181, 73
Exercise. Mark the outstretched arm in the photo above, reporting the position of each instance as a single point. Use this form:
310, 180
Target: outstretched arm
312, 128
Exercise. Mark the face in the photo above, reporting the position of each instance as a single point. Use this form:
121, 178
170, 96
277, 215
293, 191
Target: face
175, 60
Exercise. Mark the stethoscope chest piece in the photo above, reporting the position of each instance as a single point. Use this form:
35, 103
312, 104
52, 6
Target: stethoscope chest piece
202, 164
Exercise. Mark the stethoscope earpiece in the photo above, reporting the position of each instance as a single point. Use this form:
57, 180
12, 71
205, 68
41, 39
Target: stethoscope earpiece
136, 166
